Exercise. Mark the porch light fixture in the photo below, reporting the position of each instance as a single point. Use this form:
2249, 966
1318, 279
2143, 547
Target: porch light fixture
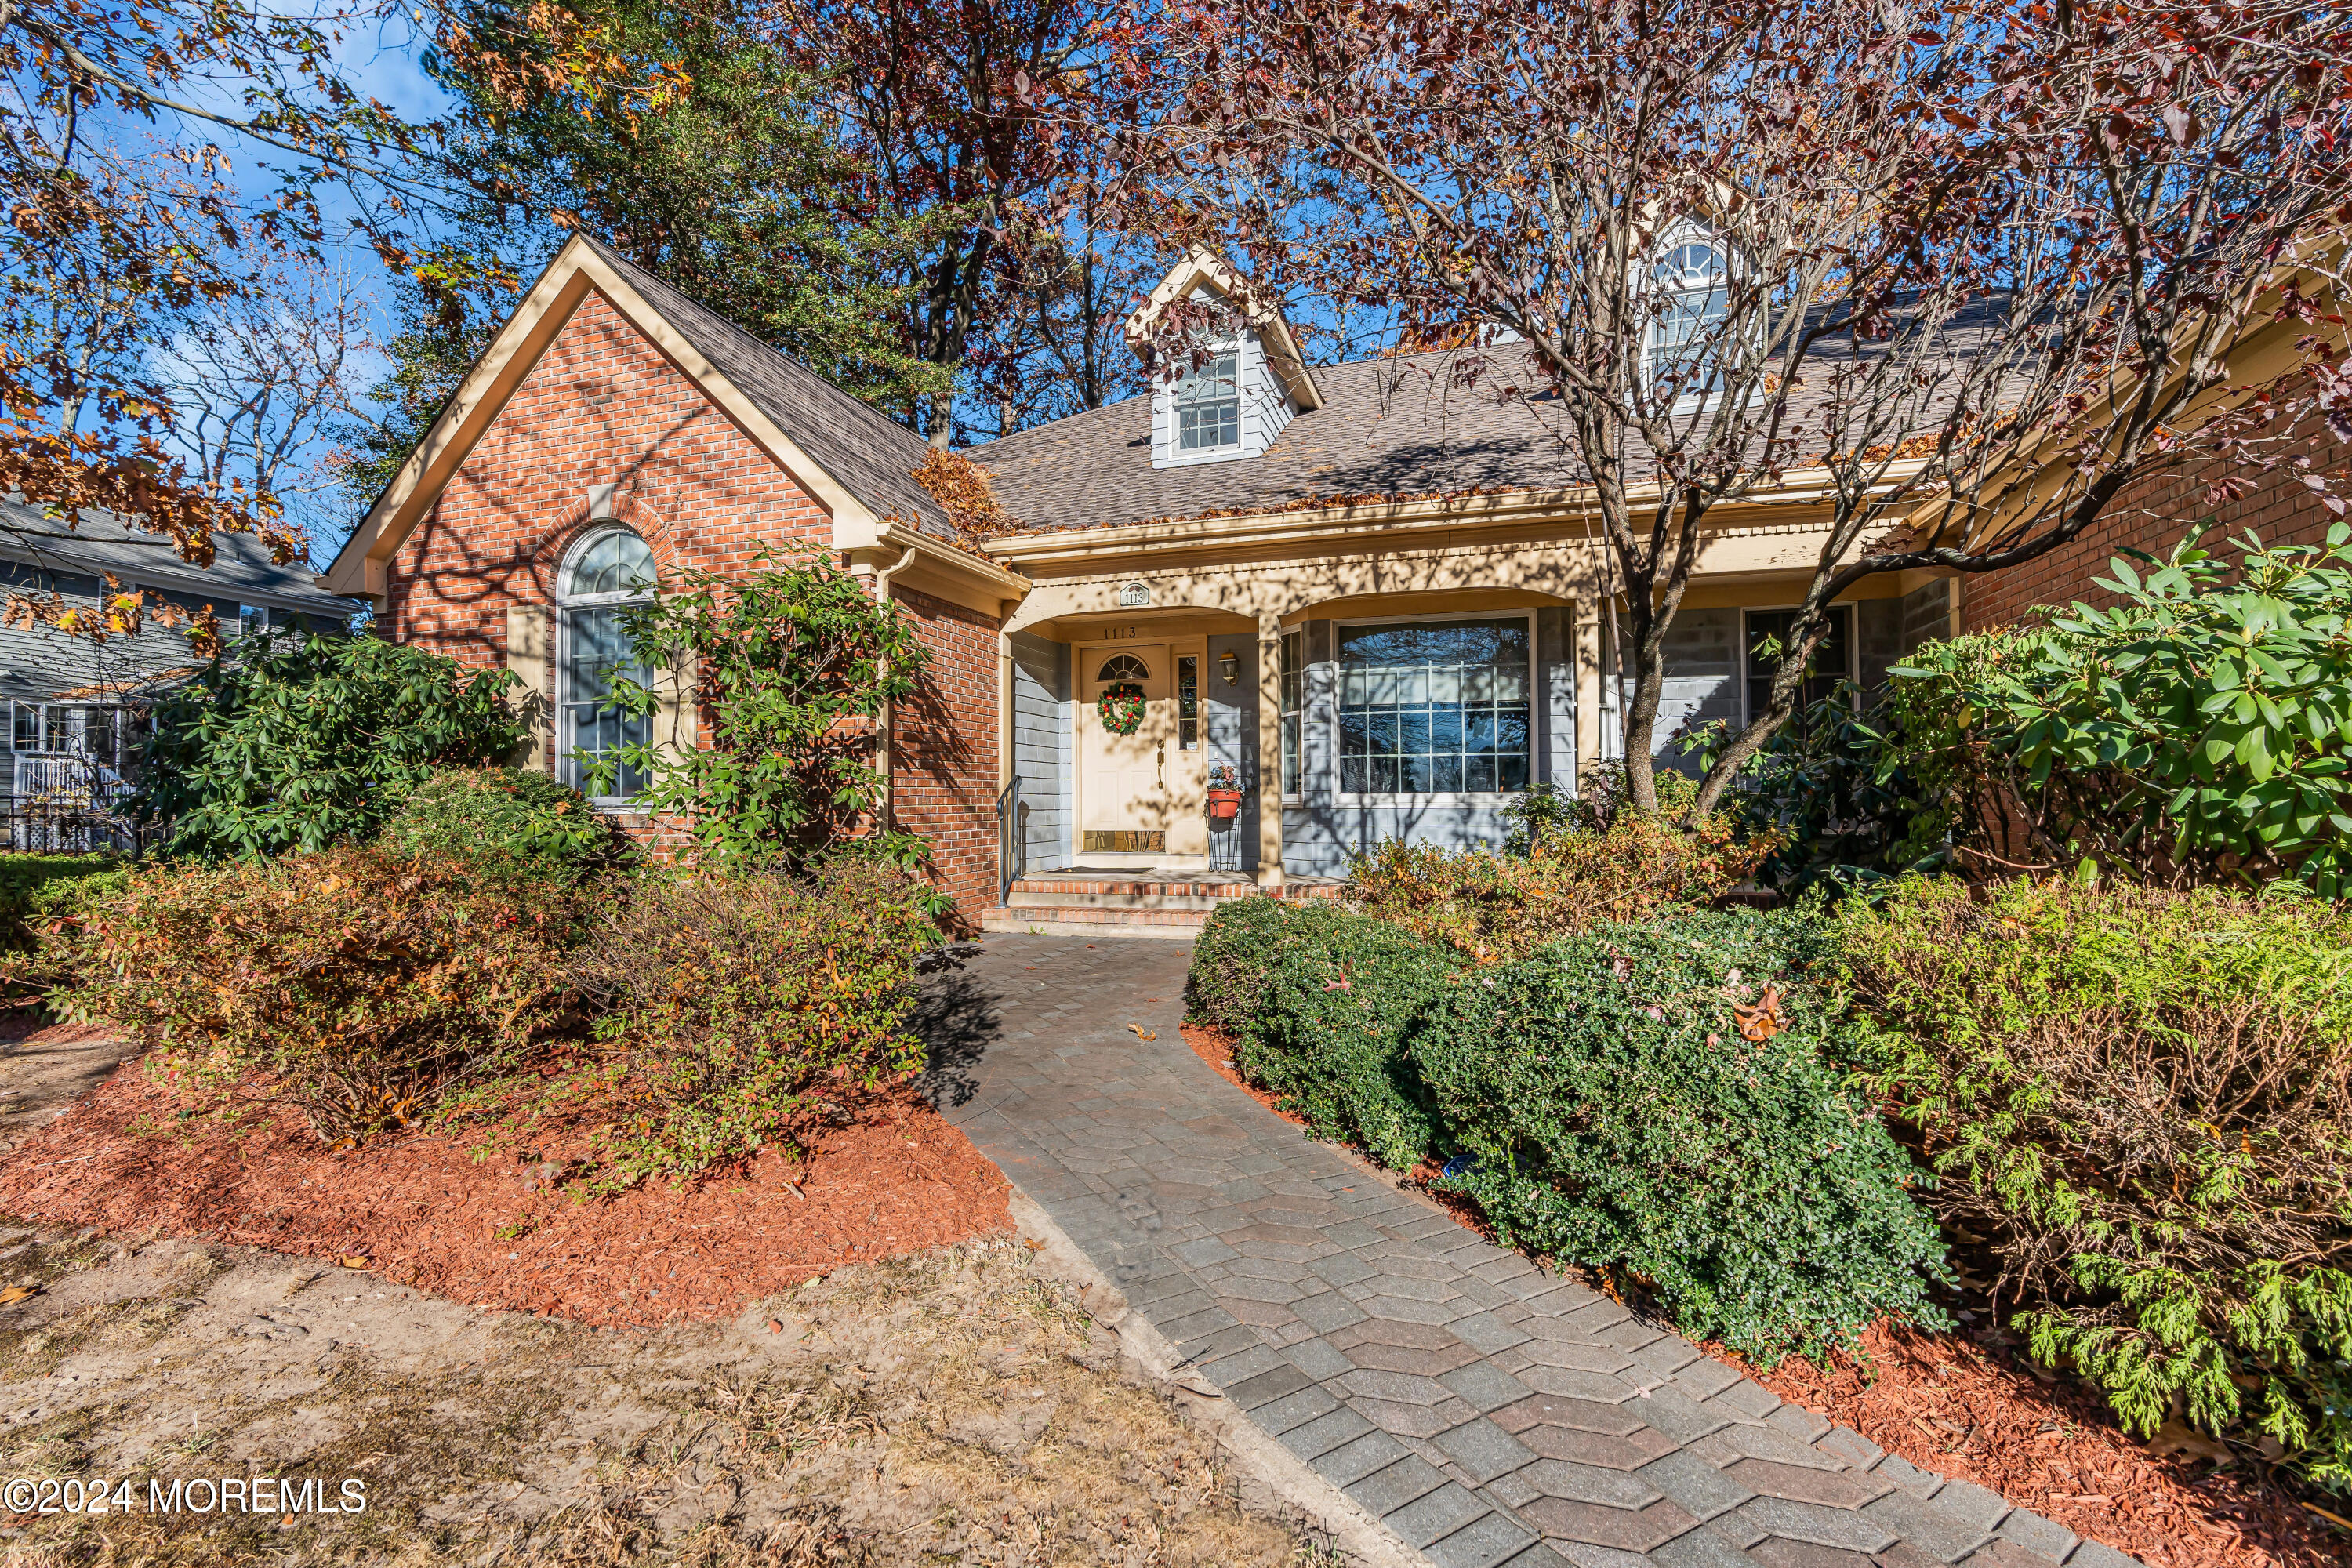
1230, 662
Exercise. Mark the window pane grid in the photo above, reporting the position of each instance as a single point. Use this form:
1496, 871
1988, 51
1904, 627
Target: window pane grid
1209, 406
599, 649
1434, 709
1293, 710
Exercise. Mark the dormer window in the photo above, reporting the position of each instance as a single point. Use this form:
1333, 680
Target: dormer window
1691, 283
1229, 398
1208, 405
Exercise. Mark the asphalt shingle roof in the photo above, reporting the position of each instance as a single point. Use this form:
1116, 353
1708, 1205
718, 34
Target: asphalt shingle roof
38, 552
1387, 426
1393, 427
869, 454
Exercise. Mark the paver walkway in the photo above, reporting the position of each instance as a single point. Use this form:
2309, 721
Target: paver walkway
1488, 1412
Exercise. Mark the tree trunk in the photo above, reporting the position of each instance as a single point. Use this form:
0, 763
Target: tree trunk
1780, 706
1641, 718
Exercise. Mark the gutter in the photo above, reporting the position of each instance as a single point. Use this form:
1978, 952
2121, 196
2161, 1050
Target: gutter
1342, 520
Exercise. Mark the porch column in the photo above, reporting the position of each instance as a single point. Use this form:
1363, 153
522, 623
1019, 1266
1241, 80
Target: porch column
1269, 751
1585, 652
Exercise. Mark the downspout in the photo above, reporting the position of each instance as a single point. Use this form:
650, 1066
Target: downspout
882, 720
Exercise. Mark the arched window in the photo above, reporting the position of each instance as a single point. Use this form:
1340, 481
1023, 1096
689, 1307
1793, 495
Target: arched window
606, 572
1123, 667
1691, 282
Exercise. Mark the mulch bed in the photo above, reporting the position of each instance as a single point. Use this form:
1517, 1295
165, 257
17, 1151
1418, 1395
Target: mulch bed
422, 1210
1965, 1407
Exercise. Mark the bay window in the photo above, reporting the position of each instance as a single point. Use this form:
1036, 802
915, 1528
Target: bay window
1435, 708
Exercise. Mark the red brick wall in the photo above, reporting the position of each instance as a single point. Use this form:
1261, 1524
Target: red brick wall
943, 755
2152, 515
605, 407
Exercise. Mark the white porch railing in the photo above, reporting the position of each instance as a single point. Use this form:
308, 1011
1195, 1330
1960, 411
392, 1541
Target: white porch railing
65, 802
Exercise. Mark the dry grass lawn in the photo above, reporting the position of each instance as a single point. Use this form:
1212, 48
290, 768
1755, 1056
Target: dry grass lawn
949, 1406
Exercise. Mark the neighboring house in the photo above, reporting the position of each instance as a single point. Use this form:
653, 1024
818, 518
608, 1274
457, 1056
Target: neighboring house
74, 705
1401, 663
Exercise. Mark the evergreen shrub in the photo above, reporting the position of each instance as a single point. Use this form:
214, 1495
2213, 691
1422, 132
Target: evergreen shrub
1599, 1101
2142, 1101
1316, 1002
299, 741
36, 889
509, 824
1667, 1102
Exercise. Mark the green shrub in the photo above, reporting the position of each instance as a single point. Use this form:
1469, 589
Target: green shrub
1316, 1002
366, 989
731, 999
305, 742
1613, 1113
509, 822
2195, 731
36, 888
791, 663
1565, 878
2141, 1099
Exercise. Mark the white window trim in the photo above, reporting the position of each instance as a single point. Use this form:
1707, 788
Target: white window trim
1179, 454
565, 604
1852, 644
1490, 799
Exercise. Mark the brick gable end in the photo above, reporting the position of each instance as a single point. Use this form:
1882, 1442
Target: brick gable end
605, 407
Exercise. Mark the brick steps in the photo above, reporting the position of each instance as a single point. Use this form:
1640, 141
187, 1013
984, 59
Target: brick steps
1063, 920
1109, 904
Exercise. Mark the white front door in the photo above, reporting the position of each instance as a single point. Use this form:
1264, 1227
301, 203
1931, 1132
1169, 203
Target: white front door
1124, 798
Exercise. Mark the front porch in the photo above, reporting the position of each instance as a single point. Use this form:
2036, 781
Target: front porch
1350, 693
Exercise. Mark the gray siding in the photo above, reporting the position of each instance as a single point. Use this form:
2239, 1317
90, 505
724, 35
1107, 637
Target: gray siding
1555, 760
1229, 724
1702, 681
1927, 613
1877, 639
1044, 733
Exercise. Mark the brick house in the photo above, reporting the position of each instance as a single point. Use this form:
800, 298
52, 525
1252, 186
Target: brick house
1196, 584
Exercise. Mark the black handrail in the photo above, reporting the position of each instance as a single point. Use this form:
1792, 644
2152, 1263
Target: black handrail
1012, 850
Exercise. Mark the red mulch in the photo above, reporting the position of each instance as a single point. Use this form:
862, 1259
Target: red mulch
1969, 1408
421, 1210
23, 1029
1971, 1411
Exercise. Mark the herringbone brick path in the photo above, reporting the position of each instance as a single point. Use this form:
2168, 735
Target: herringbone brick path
1490, 1412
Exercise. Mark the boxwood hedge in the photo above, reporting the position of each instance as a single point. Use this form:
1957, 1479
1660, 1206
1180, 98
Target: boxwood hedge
1316, 1002
1611, 1111
1599, 1102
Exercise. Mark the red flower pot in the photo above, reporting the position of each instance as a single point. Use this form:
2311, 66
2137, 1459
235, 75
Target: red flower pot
1225, 804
